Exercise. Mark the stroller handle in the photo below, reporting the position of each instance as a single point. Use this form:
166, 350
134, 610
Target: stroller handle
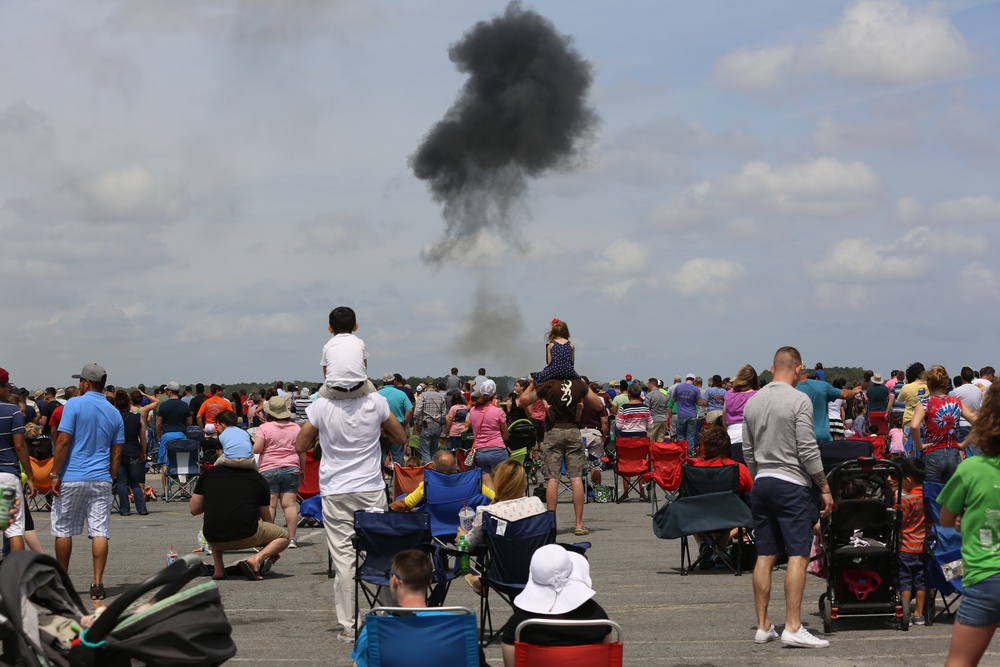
172, 578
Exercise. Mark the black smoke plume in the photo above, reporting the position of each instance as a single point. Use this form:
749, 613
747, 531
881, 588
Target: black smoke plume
523, 111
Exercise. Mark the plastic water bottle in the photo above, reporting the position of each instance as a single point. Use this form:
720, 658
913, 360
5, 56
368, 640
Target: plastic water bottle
463, 560
8, 496
171, 555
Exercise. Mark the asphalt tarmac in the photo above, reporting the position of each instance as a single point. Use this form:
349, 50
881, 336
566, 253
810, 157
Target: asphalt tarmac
700, 620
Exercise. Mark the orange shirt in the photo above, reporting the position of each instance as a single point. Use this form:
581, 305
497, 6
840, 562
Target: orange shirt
211, 408
914, 532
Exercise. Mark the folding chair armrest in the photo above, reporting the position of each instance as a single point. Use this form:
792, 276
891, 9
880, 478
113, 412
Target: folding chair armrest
564, 623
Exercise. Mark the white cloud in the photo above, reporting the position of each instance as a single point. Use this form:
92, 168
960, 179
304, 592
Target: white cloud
875, 42
704, 275
978, 282
840, 296
622, 257
755, 69
221, 326
823, 187
129, 194
981, 209
617, 289
890, 131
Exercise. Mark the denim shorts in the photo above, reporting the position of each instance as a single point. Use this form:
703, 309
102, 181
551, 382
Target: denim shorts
980, 605
490, 457
282, 480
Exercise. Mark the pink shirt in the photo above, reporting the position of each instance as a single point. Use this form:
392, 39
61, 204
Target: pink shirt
457, 427
486, 421
896, 440
279, 445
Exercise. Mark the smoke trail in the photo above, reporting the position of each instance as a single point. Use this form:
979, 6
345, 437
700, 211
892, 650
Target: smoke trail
522, 111
494, 334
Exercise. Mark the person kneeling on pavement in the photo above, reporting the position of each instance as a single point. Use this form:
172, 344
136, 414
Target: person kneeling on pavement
236, 503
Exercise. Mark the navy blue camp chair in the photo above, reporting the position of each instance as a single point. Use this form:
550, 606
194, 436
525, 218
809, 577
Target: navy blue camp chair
709, 503
836, 452
506, 566
378, 536
182, 469
398, 637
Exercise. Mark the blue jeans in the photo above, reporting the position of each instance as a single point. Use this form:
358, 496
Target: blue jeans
687, 429
131, 475
941, 464
980, 606
429, 435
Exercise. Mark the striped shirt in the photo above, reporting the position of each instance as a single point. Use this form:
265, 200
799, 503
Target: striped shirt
634, 419
11, 424
914, 532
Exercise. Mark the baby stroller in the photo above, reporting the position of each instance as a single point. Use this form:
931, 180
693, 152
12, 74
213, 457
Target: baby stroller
861, 543
40, 613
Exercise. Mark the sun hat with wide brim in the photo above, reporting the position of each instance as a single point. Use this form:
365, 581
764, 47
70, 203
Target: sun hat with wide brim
558, 584
277, 407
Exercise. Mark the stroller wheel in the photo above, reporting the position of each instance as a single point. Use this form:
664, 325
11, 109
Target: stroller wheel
826, 608
904, 621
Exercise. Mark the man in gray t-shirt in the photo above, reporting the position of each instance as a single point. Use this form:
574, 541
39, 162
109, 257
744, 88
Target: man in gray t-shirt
658, 404
782, 455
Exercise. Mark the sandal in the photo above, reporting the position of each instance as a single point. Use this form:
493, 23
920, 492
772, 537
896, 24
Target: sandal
265, 567
475, 583
582, 530
97, 591
248, 571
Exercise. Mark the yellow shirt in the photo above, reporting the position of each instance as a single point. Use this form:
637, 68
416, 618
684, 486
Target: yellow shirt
416, 496
910, 394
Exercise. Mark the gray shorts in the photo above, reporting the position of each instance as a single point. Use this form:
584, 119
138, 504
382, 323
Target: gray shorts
78, 502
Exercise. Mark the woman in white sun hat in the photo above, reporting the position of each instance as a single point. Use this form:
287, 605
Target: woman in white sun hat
559, 587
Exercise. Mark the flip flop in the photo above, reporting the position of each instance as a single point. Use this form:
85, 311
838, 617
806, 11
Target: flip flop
248, 571
265, 567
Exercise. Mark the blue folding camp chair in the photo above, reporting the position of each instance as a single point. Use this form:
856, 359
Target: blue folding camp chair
946, 551
378, 536
182, 469
399, 637
446, 495
506, 566
836, 452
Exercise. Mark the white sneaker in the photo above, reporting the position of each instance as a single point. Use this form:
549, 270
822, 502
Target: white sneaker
765, 636
292, 544
346, 638
802, 639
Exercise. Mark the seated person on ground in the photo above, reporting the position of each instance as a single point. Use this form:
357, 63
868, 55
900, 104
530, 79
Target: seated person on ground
510, 504
236, 503
559, 588
409, 580
444, 462
237, 448
716, 446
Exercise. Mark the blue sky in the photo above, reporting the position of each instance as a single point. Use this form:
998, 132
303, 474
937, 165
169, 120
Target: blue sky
188, 188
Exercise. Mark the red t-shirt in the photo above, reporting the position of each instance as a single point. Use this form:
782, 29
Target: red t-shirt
746, 481
54, 420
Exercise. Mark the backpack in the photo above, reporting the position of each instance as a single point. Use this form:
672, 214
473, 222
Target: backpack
460, 416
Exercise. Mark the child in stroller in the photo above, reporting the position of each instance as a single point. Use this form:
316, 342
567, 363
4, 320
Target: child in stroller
861, 543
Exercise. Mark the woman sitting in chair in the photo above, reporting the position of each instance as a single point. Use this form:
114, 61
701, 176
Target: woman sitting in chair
559, 588
716, 446
510, 504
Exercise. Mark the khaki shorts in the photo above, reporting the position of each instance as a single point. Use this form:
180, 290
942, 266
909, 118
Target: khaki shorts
266, 533
563, 444
658, 432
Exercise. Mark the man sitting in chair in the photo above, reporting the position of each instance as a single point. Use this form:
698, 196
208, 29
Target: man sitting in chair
444, 462
236, 503
409, 580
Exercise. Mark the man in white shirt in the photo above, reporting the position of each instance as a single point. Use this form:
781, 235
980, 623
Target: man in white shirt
350, 479
971, 396
985, 379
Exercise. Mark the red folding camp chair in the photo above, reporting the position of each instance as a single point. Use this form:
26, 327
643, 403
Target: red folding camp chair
309, 486
878, 445
665, 461
632, 464
880, 421
583, 655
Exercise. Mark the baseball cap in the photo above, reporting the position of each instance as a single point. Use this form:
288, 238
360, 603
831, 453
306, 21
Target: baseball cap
4, 376
419, 388
173, 385
690, 376
388, 378
92, 373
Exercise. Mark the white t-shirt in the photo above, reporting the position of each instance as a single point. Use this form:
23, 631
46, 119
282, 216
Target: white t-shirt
344, 357
982, 384
349, 431
478, 381
833, 408
971, 396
